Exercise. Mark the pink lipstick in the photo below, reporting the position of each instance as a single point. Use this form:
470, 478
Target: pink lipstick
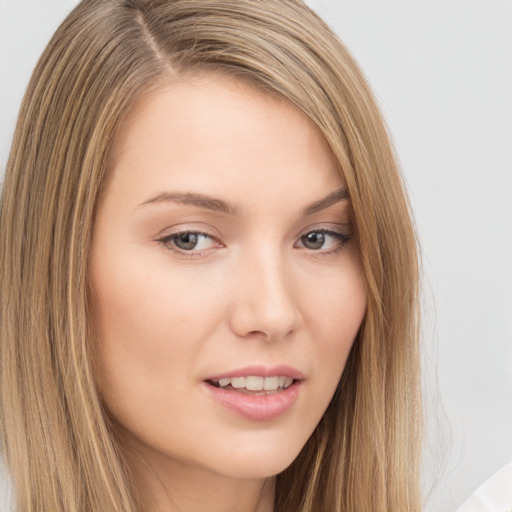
257, 393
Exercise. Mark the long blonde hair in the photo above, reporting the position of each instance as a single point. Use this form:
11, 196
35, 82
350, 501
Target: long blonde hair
57, 440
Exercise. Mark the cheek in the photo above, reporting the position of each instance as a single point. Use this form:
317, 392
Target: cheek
145, 323
334, 313
142, 293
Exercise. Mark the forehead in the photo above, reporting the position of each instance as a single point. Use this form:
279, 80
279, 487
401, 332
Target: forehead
205, 131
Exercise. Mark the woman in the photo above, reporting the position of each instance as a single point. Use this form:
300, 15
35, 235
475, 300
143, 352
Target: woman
209, 274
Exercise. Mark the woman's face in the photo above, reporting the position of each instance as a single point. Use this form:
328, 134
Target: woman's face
226, 290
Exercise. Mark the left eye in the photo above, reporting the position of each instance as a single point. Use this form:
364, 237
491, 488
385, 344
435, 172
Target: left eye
189, 241
321, 239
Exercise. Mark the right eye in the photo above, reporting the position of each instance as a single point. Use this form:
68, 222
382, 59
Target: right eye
189, 241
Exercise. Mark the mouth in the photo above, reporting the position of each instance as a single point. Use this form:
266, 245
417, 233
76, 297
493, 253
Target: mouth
253, 384
257, 393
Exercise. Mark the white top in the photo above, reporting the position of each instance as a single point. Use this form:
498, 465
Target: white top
494, 495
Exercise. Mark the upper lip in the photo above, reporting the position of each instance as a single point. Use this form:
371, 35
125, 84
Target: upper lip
261, 371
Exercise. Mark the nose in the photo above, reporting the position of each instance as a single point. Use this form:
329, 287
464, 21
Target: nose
264, 303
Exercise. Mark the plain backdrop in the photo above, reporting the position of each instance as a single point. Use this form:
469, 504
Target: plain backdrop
442, 71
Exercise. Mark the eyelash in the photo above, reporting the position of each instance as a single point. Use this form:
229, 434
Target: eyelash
342, 239
168, 241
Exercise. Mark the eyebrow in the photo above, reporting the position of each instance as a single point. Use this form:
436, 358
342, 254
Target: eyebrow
194, 199
332, 198
218, 205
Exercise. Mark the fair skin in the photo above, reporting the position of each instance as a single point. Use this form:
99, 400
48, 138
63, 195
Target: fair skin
222, 250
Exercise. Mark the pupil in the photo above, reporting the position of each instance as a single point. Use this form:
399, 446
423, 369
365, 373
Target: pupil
186, 241
314, 240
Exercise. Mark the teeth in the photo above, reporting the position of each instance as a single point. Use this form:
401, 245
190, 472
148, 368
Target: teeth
271, 383
256, 383
238, 382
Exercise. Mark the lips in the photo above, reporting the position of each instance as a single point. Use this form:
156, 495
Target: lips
257, 393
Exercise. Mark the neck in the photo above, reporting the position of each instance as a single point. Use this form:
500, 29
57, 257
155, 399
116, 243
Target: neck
178, 487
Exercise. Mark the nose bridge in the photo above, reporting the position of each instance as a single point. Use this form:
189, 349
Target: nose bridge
265, 302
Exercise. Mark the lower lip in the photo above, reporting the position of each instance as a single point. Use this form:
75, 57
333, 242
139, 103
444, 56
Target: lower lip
257, 407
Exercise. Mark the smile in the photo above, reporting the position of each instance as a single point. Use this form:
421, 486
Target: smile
257, 393
252, 383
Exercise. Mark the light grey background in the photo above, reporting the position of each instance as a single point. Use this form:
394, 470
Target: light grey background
442, 71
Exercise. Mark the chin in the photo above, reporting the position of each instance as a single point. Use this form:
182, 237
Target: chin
258, 461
